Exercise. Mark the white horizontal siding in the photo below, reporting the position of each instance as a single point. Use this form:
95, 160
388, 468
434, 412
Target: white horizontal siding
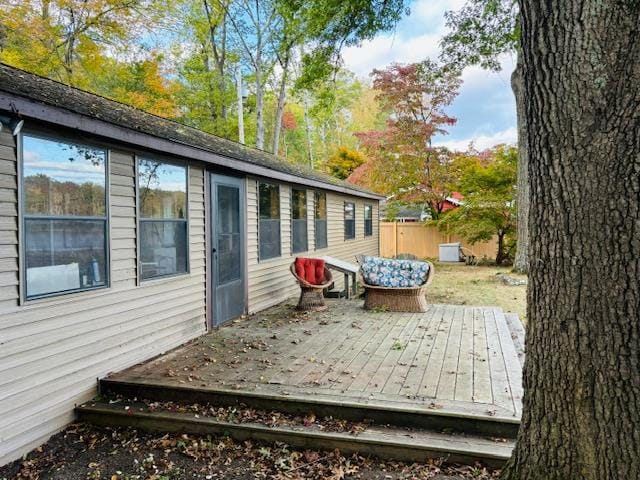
53, 350
270, 281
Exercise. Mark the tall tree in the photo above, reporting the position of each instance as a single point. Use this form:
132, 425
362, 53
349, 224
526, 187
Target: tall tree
488, 185
56, 37
256, 24
403, 161
482, 31
581, 411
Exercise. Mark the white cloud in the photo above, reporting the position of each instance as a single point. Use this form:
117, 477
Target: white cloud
432, 11
386, 49
481, 141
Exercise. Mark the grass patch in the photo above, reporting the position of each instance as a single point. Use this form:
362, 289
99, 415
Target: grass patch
459, 284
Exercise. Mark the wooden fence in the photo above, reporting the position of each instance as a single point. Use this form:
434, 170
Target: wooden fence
423, 241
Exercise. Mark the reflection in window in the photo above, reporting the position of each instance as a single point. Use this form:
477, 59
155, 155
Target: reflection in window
229, 241
269, 215
299, 220
321, 219
162, 192
349, 220
368, 220
64, 219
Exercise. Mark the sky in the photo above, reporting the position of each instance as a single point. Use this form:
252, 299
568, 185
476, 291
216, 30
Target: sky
485, 107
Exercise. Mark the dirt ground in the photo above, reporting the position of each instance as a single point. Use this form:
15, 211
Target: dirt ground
84, 452
459, 284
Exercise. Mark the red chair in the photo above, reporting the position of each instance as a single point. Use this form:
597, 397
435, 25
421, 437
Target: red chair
313, 277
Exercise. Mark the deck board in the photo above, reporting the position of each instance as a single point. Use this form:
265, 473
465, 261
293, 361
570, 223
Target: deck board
455, 358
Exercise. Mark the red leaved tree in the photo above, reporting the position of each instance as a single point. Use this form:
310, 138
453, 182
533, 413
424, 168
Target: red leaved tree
402, 161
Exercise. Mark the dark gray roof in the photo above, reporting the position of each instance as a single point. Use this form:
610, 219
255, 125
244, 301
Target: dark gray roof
49, 92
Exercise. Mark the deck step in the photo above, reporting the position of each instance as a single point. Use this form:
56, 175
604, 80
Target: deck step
517, 334
389, 443
466, 421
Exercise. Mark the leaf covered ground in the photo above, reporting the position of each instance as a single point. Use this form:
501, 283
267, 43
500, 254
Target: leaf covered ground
87, 452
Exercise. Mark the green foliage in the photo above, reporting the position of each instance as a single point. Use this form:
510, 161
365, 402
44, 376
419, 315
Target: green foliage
333, 24
481, 31
488, 184
343, 162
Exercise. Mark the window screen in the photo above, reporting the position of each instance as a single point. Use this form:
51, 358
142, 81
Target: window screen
299, 220
162, 195
269, 220
349, 220
321, 220
64, 216
368, 220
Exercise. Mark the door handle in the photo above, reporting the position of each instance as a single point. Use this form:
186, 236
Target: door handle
213, 250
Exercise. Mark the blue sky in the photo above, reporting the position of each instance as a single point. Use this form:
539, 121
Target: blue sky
485, 107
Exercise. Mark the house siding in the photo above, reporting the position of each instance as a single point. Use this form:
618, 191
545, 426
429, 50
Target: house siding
270, 281
53, 350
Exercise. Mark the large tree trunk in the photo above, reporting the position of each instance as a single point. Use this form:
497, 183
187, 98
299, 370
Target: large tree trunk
521, 260
581, 413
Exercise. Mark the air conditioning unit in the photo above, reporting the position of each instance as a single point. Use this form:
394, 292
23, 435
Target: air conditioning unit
450, 252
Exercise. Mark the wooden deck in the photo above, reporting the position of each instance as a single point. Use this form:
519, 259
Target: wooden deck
455, 360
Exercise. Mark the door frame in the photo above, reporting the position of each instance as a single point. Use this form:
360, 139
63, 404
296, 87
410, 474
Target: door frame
210, 305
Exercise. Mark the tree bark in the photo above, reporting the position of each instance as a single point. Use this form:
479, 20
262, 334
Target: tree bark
282, 97
307, 127
581, 412
521, 260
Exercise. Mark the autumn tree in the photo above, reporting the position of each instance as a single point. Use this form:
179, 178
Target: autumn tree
403, 162
488, 186
343, 162
581, 406
481, 32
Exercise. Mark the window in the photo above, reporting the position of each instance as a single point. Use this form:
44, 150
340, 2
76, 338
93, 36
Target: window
368, 220
299, 220
64, 216
349, 221
162, 196
321, 219
269, 218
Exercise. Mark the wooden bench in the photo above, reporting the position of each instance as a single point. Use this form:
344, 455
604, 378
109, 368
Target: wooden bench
349, 270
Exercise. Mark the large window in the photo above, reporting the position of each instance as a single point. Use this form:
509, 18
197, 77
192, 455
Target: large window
64, 216
349, 221
299, 220
269, 214
162, 197
321, 220
368, 220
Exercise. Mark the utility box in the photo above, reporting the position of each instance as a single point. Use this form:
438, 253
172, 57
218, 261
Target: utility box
450, 252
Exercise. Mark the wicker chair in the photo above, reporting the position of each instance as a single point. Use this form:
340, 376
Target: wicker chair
311, 296
397, 299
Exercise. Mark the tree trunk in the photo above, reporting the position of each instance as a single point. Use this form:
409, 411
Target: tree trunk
307, 127
282, 96
500, 256
240, 105
259, 108
521, 260
581, 412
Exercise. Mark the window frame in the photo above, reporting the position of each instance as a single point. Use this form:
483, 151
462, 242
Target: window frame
139, 219
344, 224
306, 221
23, 297
279, 255
368, 232
316, 193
